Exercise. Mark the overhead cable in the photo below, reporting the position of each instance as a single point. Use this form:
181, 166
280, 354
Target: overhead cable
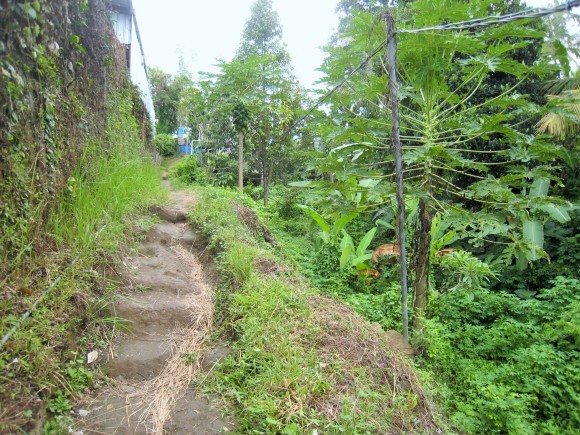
498, 19
461, 25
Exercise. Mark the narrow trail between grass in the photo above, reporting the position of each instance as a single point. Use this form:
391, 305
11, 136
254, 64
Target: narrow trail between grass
169, 302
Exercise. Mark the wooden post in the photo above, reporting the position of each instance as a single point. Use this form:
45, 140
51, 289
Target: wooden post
241, 160
393, 98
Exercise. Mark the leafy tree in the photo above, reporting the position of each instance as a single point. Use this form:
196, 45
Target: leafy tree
167, 92
165, 99
272, 94
192, 110
560, 44
349, 8
562, 117
262, 34
442, 116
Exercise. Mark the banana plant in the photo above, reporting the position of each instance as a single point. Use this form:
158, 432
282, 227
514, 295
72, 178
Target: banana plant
328, 232
358, 257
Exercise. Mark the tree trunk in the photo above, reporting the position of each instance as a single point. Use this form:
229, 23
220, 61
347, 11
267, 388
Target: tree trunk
422, 269
267, 180
266, 166
241, 160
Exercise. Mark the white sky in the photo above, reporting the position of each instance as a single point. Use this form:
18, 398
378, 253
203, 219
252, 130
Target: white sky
206, 30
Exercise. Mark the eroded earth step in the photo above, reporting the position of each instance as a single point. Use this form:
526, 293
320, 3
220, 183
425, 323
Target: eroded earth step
180, 233
196, 415
154, 309
159, 305
172, 214
140, 358
116, 414
191, 415
159, 263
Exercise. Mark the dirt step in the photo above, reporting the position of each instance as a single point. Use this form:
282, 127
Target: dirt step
154, 310
170, 213
168, 281
196, 415
139, 359
171, 285
120, 415
176, 232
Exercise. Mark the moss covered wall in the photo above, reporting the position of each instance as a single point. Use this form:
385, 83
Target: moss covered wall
59, 60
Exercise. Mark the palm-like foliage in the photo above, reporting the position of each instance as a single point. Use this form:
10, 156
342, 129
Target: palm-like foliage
563, 116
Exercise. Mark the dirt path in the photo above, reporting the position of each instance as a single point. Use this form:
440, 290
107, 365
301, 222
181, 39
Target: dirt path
170, 307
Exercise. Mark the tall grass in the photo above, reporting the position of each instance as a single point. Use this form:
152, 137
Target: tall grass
91, 220
112, 179
117, 186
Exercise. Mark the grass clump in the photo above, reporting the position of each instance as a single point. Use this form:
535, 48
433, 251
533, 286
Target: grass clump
69, 281
300, 361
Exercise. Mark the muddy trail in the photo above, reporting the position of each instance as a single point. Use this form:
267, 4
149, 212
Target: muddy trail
168, 304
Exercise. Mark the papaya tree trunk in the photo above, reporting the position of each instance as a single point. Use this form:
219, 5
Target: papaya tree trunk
241, 160
266, 165
267, 181
422, 264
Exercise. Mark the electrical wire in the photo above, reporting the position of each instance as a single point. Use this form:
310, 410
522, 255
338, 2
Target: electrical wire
498, 19
460, 25
373, 53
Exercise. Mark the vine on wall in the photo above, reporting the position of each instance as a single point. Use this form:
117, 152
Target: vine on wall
59, 59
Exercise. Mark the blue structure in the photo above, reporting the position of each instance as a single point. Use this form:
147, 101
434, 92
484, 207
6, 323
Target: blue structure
185, 149
184, 144
190, 149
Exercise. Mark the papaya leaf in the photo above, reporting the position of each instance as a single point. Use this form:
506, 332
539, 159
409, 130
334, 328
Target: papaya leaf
534, 234
539, 187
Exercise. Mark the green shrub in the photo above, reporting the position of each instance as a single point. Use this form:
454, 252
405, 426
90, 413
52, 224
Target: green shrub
187, 171
284, 200
166, 144
511, 364
383, 308
279, 372
222, 169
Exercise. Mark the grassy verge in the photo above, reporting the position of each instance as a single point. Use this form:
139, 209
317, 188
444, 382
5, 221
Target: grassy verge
69, 283
300, 361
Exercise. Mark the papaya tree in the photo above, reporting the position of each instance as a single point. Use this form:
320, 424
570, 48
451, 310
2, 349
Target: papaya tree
496, 199
272, 93
241, 116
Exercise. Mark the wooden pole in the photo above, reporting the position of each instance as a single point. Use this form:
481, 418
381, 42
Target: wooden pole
241, 160
393, 98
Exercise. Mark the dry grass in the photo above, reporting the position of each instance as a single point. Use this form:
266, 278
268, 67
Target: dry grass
150, 402
349, 344
162, 392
